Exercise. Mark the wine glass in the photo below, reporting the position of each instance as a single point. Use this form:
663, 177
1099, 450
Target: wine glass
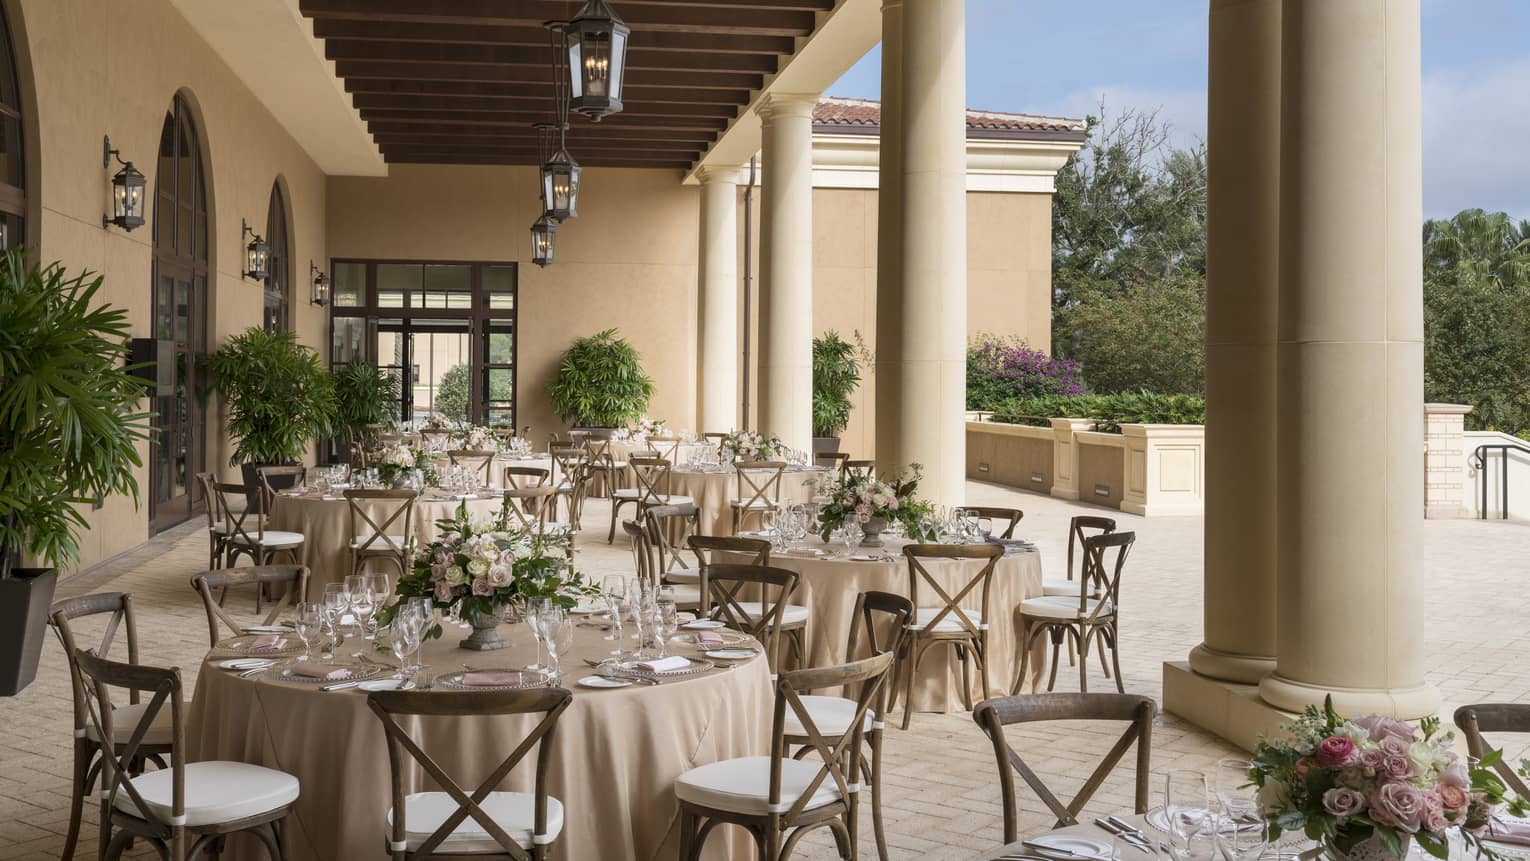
380, 587
404, 637
1242, 836
558, 632
535, 607
667, 622
362, 606
613, 588
310, 620
1184, 806
853, 532
355, 584
335, 602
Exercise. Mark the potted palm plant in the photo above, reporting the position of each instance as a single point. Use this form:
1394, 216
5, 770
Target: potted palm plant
837, 366
279, 398
600, 384
69, 431
365, 395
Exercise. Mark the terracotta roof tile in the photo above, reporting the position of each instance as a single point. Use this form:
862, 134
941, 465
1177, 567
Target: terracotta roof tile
866, 114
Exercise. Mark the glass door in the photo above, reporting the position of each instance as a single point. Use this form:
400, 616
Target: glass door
178, 416
433, 361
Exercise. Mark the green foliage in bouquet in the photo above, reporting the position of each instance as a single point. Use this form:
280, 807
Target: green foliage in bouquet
890, 497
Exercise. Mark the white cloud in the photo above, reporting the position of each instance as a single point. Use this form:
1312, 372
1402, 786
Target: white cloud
1476, 131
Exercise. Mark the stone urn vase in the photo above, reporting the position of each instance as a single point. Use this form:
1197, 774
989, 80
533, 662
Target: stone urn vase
1369, 849
871, 532
485, 636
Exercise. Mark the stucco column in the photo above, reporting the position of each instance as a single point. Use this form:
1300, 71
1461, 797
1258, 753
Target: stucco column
1350, 460
786, 269
1242, 287
922, 303
719, 299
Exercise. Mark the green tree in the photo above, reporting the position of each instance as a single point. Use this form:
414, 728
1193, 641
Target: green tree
452, 393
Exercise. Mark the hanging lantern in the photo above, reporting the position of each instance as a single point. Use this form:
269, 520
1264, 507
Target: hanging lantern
256, 254
597, 56
560, 186
543, 237
127, 191
320, 293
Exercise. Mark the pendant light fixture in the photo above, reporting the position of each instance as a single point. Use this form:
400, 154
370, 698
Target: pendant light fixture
596, 44
560, 173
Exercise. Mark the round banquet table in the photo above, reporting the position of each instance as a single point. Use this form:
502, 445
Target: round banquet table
829, 584
615, 756
714, 492
325, 521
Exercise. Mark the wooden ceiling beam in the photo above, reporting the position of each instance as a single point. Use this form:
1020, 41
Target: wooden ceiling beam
631, 94
450, 158
488, 34
577, 147
540, 55
527, 119
535, 156
494, 104
533, 74
721, 18
591, 132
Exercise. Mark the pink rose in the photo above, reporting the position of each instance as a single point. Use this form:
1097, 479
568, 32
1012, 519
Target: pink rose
1434, 812
1336, 751
1457, 776
1381, 726
1453, 797
482, 587
1303, 764
443, 591
1371, 760
1399, 806
1342, 801
1395, 762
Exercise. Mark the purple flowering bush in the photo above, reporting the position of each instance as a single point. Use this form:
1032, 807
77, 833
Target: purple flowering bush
1002, 368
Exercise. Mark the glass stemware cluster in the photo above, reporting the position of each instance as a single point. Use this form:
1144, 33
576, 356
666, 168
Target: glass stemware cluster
553, 628
1233, 828
326, 478
364, 595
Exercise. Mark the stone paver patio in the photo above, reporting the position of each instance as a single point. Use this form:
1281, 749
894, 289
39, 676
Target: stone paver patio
942, 799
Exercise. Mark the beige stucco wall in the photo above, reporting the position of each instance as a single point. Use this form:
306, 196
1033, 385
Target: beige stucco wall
628, 261
113, 68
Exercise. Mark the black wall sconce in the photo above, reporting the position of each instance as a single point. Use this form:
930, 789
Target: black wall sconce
256, 254
127, 190
320, 294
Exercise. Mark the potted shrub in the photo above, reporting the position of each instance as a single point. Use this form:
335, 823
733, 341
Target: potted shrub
364, 395
600, 384
279, 398
837, 366
69, 430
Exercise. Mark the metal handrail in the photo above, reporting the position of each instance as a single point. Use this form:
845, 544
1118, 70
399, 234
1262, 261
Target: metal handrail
1479, 462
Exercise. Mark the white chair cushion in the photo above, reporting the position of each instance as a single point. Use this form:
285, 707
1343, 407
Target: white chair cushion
676, 499
683, 594
791, 614
515, 812
757, 504
271, 538
215, 792
378, 543
948, 623
625, 493
1056, 607
683, 575
831, 716
743, 785
125, 720
1050, 586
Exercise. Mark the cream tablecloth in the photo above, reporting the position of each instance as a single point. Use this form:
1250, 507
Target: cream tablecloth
616, 753
325, 521
828, 588
714, 493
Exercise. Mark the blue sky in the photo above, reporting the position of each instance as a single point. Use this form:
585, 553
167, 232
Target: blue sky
1056, 57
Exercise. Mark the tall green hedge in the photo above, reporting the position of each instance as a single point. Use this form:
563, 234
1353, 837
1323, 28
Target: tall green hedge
1108, 411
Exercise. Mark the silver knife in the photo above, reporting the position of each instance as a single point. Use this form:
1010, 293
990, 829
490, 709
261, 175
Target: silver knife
1053, 850
1118, 830
340, 686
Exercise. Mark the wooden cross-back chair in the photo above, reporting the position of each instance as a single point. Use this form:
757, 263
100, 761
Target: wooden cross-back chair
275, 479
436, 439
746, 551
948, 623
248, 533
642, 553
426, 824
1089, 616
602, 463
388, 536
88, 747
670, 528
834, 460
652, 488
525, 476
1003, 518
184, 800
861, 469
217, 531
884, 617
757, 486
479, 461
1474, 720
569, 472
668, 447
769, 619
715, 436
994, 715
528, 507
779, 799
1080, 527
293, 580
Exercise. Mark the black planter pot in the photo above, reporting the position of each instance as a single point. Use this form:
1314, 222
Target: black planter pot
24, 600
822, 444
252, 481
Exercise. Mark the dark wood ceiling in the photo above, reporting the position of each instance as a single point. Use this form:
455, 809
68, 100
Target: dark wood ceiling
464, 81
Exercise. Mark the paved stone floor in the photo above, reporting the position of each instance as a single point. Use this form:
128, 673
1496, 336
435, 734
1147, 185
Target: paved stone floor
942, 795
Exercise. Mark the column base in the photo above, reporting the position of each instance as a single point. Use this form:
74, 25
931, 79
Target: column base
1403, 703
1230, 710
1229, 666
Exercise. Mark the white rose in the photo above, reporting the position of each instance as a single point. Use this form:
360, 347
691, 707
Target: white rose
455, 575
478, 567
500, 575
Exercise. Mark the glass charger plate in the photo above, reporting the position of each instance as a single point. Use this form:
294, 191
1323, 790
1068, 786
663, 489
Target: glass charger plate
697, 667
529, 679
728, 638
358, 673
244, 645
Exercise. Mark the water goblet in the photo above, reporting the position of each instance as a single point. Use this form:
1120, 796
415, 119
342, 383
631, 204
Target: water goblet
1241, 834
380, 587
853, 532
310, 619
558, 632
667, 622
1233, 786
535, 610
355, 588
613, 589
1184, 804
404, 637
362, 607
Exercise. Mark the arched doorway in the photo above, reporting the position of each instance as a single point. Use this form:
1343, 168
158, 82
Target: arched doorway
180, 315
278, 263
13, 196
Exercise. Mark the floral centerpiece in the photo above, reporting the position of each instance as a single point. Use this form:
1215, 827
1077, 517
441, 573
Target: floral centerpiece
749, 445
481, 567
479, 438
650, 427
397, 462
1365, 787
875, 502
437, 421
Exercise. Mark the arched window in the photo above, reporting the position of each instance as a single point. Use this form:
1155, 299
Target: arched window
13, 195
278, 263
180, 313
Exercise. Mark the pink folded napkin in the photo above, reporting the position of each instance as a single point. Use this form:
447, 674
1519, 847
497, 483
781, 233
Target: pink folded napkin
1505, 830
664, 665
490, 680
268, 643
708, 638
315, 670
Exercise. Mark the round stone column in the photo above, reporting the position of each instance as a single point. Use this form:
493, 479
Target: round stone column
719, 299
1242, 288
786, 269
1350, 458
928, 307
